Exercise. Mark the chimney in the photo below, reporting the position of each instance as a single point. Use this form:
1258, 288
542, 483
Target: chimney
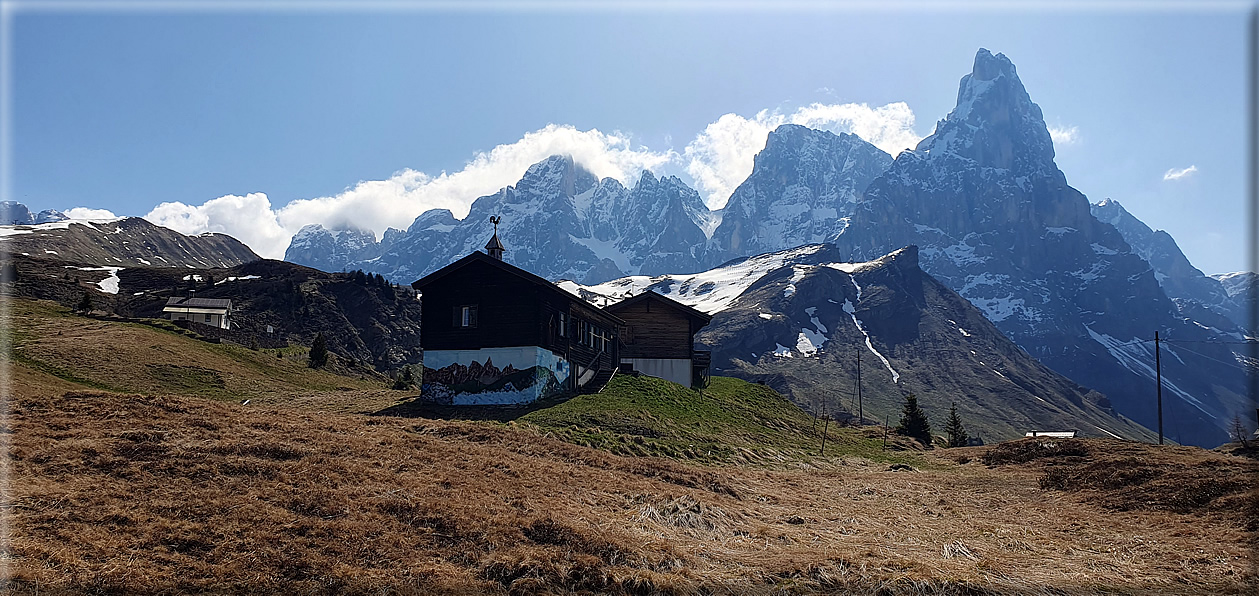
495, 247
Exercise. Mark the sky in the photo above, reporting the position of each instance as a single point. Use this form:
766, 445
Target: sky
255, 122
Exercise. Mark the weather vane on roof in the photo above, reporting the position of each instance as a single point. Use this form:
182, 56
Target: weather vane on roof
494, 219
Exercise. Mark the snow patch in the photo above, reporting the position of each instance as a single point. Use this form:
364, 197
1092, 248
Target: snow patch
709, 291
852, 312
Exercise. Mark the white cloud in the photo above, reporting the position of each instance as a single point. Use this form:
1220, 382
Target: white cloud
721, 156
1064, 135
379, 204
89, 213
718, 159
1174, 174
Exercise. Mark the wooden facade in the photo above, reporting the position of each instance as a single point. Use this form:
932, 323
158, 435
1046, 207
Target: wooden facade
480, 302
659, 329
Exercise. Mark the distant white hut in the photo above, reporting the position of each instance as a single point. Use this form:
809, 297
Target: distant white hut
215, 312
1052, 434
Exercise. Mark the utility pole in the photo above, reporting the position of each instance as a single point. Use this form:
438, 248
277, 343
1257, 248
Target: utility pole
861, 413
827, 424
886, 420
1158, 374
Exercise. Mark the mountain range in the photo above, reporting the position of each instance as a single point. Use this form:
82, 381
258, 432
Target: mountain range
120, 242
980, 203
802, 320
1081, 287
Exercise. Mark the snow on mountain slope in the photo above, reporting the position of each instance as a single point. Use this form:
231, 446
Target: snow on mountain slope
708, 291
1179, 279
796, 320
996, 221
123, 241
802, 186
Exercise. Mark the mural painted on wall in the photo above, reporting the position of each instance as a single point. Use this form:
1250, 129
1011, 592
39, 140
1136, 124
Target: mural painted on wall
492, 376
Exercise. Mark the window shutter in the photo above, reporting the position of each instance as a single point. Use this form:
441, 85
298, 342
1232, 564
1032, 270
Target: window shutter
454, 317
472, 316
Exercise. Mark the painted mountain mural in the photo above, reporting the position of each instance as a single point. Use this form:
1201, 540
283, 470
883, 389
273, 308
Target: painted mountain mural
1080, 287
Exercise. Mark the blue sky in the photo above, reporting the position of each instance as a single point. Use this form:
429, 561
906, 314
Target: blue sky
228, 117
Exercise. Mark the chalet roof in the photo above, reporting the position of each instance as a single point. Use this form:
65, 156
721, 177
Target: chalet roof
702, 318
186, 302
484, 259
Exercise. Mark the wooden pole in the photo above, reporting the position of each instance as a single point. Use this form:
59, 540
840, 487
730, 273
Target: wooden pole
826, 424
886, 419
1158, 373
861, 413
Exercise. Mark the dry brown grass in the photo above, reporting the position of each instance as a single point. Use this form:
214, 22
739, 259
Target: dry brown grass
131, 494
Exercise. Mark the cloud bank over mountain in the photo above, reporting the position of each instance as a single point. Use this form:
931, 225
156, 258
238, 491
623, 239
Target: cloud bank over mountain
717, 159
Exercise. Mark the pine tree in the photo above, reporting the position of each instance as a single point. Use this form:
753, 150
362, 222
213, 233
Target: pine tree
954, 429
1238, 430
405, 380
913, 421
318, 352
85, 303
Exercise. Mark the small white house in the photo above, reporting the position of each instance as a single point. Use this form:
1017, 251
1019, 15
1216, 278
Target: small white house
215, 312
1052, 434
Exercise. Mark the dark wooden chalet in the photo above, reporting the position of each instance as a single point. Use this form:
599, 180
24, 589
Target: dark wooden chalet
658, 338
479, 306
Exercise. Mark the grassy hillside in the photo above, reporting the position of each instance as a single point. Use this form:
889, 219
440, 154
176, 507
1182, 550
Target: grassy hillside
244, 499
54, 350
297, 493
732, 420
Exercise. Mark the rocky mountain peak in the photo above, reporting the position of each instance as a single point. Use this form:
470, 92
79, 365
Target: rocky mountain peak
995, 123
556, 173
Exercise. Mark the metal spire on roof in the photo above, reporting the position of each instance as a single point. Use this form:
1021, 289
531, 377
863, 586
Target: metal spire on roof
495, 247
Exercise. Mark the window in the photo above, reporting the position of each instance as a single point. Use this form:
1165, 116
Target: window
207, 318
465, 317
562, 324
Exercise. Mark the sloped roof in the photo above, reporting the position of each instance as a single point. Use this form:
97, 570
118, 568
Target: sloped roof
186, 302
484, 259
702, 317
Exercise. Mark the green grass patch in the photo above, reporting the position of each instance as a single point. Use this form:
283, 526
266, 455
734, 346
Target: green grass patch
730, 421
62, 373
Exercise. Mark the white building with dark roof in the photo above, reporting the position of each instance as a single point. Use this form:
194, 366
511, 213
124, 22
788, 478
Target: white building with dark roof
215, 312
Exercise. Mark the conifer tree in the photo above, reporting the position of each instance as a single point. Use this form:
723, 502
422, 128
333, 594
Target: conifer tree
405, 379
913, 421
318, 352
954, 429
85, 303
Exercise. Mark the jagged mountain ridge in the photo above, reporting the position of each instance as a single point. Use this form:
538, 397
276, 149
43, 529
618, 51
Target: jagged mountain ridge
124, 242
803, 187
16, 214
1191, 289
558, 220
804, 184
996, 221
797, 319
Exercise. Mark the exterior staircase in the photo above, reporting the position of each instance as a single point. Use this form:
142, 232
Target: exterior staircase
599, 381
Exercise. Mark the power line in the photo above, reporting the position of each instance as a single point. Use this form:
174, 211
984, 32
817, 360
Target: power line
1232, 364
